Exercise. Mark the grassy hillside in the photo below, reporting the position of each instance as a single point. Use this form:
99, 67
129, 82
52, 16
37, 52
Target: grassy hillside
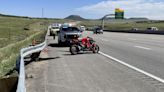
12, 30
16, 33
9, 53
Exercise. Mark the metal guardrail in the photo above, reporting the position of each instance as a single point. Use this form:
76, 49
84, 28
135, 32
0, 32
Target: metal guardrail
24, 52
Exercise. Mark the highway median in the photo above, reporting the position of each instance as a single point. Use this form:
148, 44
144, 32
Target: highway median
160, 32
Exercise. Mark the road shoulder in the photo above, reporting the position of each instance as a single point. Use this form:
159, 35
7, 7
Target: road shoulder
35, 74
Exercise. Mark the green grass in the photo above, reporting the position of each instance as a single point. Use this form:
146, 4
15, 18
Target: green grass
12, 30
13, 37
9, 53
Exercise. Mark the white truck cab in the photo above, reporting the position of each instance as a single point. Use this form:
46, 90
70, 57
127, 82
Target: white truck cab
82, 28
152, 29
54, 29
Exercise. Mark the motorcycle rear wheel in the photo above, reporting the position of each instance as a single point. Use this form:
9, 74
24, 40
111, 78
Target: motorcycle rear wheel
96, 49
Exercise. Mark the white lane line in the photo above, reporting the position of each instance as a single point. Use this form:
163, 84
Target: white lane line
141, 47
133, 67
132, 39
104, 40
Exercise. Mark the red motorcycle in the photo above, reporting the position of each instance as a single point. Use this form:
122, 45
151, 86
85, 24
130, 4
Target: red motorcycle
84, 44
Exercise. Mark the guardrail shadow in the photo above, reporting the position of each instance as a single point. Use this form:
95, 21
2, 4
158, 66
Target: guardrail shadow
80, 53
57, 45
50, 58
40, 59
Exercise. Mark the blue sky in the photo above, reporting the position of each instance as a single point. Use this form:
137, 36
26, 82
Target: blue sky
153, 9
52, 8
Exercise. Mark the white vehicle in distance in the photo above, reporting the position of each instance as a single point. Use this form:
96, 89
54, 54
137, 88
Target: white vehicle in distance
135, 29
82, 28
66, 34
152, 29
54, 29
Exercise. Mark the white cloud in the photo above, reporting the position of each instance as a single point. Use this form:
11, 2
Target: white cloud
133, 8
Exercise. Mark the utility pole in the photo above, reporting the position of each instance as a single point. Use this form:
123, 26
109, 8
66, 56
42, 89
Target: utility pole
43, 19
42, 12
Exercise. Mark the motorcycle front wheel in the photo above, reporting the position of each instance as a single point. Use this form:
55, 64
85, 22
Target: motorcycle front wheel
74, 49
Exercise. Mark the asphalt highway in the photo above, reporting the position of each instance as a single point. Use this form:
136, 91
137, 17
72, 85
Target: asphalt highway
90, 72
143, 51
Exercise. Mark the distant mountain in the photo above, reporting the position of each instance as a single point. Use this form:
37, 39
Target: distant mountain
75, 17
